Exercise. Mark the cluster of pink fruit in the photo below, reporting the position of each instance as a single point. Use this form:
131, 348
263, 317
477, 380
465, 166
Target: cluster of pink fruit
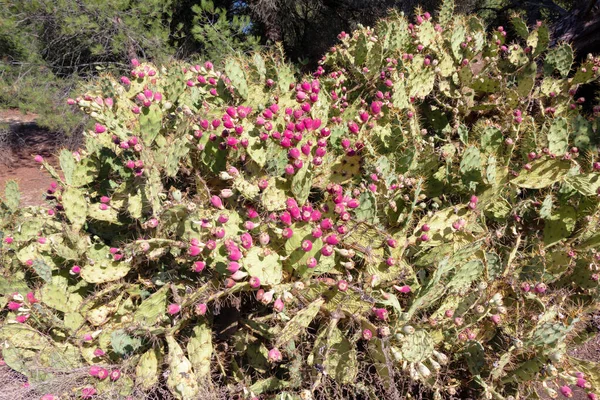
232, 121
21, 305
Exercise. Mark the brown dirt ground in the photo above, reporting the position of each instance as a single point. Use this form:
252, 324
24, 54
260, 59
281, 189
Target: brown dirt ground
21, 139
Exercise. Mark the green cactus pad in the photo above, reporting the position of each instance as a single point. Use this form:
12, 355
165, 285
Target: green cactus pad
297, 325
543, 173
146, 370
263, 265
101, 267
75, 206
559, 58
417, 347
182, 381
199, 349
474, 354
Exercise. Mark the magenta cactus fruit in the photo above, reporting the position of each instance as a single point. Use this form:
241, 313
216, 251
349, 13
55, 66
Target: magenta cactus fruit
254, 282
216, 202
173, 308
274, 355
88, 392
540, 288
201, 309
327, 250
278, 305
287, 233
194, 251
307, 245
380, 313
115, 374
99, 352
566, 391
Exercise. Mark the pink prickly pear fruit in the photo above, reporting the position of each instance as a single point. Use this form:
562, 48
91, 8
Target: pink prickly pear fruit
233, 266
254, 282
201, 309
449, 313
496, 319
540, 288
264, 238
235, 255
424, 237
194, 251
425, 228
274, 355
99, 352
99, 128
327, 250
31, 298
115, 374
75, 270
342, 285
94, 370
332, 239
311, 262
307, 245
102, 374
173, 308
380, 313
403, 289
88, 392
582, 383
566, 391
287, 233
216, 202
246, 240
199, 266
39, 159
278, 305
21, 318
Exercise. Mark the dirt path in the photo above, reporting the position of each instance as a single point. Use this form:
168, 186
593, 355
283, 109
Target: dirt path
20, 140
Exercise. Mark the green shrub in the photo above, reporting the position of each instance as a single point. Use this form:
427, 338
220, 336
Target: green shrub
423, 209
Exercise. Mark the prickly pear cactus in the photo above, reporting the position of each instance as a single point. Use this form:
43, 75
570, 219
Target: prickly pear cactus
425, 203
